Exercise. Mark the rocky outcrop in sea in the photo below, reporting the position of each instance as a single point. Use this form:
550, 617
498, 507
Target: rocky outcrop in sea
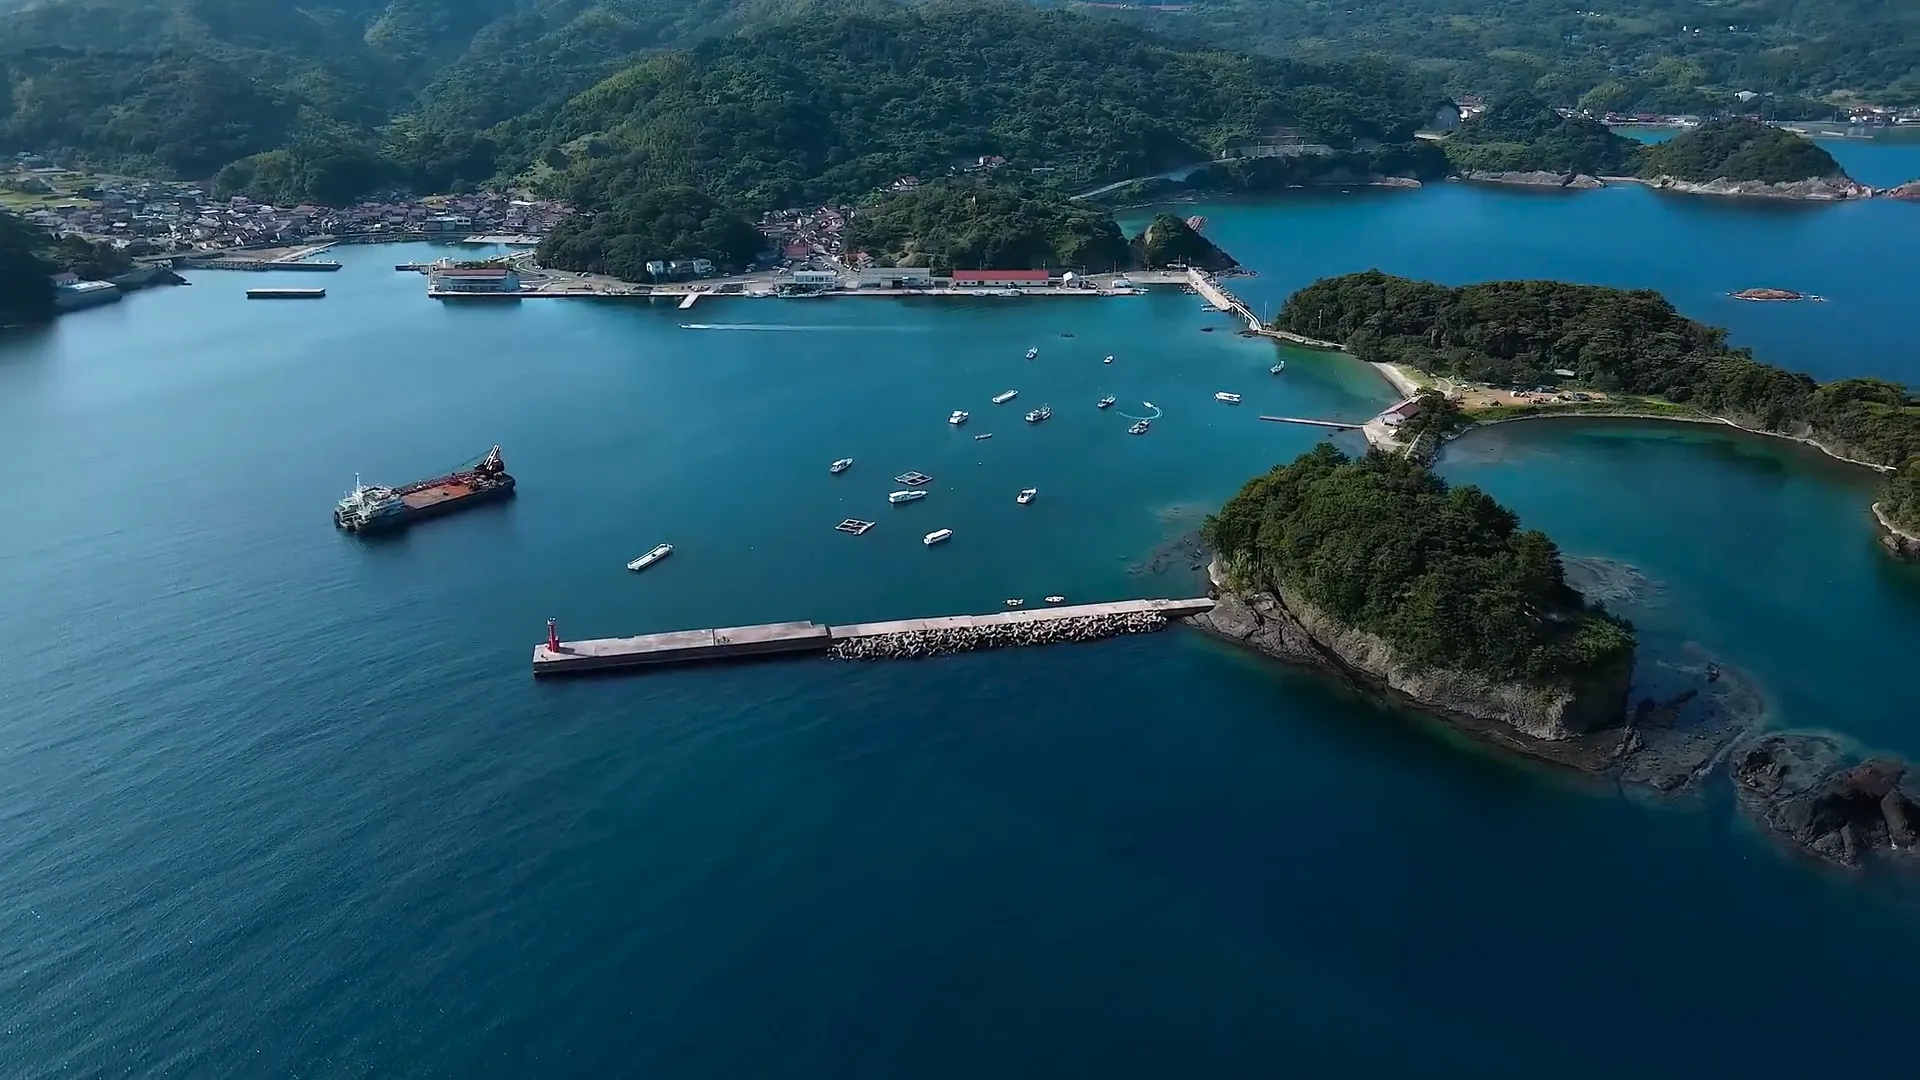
1809, 794
1827, 189
923, 643
1898, 542
1909, 191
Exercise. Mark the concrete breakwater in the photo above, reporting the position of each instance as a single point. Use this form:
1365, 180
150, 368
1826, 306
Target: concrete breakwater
911, 644
899, 638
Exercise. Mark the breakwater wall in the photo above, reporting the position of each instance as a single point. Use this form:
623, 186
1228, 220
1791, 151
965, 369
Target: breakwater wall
914, 644
898, 639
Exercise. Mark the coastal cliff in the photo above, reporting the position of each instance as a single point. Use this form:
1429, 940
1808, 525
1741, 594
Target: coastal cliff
1284, 625
1898, 542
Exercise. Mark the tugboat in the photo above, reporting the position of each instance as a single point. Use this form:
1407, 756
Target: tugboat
1139, 427
1031, 353
906, 496
1026, 495
651, 557
1106, 402
1005, 396
840, 466
1044, 412
959, 417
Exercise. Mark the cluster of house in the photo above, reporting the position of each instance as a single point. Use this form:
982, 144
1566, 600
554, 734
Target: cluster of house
799, 234
154, 216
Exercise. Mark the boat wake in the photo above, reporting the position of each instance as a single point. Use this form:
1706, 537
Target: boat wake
1157, 412
773, 327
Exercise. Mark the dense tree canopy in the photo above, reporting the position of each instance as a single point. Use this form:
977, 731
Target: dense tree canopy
26, 290
1006, 226
1901, 500
833, 108
1519, 332
1168, 240
662, 224
1661, 56
1522, 133
1739, 150
1445, 575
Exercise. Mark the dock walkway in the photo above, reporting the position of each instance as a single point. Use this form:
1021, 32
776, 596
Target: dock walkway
809, 638
1204, 284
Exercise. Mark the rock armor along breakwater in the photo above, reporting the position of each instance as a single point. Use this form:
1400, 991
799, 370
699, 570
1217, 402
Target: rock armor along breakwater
913, 644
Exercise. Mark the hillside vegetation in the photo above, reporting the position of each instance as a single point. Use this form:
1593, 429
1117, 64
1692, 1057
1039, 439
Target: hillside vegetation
26, 291
959, 225
398, 90
1739, 150
1659, 56
1444, 574
1901, 500
833, 108
1522, 133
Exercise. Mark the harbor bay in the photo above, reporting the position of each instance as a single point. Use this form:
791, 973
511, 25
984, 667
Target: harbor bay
238, 733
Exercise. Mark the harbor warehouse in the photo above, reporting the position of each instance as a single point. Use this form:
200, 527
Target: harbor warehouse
1019, 279
896, 277
472, 279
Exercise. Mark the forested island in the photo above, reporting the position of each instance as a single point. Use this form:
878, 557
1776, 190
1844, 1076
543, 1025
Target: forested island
1522, 139
1518, 333
1379, 569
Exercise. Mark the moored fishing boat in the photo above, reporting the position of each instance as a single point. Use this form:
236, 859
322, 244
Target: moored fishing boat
651, 557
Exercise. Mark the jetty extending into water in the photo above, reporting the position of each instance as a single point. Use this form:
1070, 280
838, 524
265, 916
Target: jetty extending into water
1217, 295
877, 640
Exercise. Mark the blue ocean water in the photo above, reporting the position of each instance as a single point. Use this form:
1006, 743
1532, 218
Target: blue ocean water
276, 801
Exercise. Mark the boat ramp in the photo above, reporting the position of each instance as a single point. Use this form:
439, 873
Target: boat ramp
903, 637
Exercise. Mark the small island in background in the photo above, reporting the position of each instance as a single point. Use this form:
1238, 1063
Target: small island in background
1775, 295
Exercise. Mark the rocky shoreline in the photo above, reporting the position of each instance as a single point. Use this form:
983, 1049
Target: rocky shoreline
1563, 181
1692, 714
1828, 189
1898, 542
919, 644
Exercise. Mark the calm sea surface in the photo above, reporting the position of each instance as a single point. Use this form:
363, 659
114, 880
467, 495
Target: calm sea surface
278, 802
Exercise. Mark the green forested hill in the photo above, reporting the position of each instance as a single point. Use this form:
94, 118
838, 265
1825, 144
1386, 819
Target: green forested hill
183, 87
1641, 55
1008, 226
1523, 133
833, 107
1741, 150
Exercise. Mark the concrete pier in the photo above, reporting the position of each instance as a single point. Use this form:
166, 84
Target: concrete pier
797, 638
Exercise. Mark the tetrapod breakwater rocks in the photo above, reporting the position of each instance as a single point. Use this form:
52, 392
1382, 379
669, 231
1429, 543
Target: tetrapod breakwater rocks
913, 644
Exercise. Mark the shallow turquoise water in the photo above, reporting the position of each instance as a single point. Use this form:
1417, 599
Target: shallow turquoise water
274, 801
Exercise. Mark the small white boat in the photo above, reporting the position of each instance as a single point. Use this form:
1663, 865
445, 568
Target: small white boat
1108, 360
1044, 412
1149, 404
959, 417
906, 496
1056, 599
1231, 399
651, 557
840, 466
1005, 396
1106, 402
1139, 427
1277, 368
937, 536
983, 435
1031, 353
1026, 495
1016, 603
